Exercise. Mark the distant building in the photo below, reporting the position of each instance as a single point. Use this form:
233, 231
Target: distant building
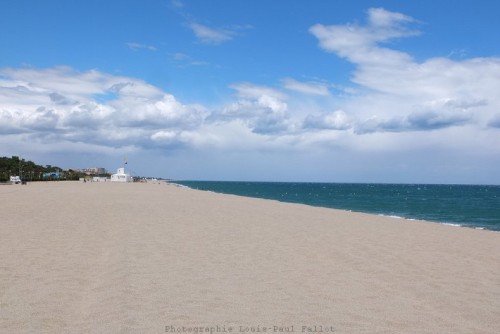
121, 176
94, 171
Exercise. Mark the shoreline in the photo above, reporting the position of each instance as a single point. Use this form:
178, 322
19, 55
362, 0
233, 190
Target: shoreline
128, 258
469, 225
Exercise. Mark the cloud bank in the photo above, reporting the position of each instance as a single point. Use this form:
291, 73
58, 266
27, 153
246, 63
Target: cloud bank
61, 104
395, 104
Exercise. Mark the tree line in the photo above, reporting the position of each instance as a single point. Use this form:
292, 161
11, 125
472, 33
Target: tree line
29, 171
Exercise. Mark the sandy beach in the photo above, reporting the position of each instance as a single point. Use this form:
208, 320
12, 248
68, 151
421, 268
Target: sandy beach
155, 258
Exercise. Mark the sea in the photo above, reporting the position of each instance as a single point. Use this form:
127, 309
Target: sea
473, 206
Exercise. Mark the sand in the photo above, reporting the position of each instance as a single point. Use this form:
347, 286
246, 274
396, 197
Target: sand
155, 258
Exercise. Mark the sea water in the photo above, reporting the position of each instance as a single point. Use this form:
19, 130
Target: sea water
476, 206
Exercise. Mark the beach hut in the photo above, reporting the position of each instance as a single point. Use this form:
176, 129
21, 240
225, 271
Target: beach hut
121, 176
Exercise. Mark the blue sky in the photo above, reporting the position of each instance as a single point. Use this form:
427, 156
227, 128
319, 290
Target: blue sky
359, 91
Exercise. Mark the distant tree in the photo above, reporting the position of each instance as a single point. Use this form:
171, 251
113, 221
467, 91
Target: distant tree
72, 174
29, 171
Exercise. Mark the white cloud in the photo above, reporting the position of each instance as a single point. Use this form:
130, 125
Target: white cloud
91, 115
337, 120
139, 46
211, 35
164, 135
398, 109
60, 104
249, 90
359, 44
160, 112
263, 109
61, 79
312, 88
184, 60
402, 94
384, 19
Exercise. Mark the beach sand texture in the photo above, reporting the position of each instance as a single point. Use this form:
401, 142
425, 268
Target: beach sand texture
139, 258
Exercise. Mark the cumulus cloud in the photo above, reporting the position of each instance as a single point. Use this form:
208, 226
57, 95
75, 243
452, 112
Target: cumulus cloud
431, 116
396, 104
171, 139
89, 115
361, 43
263, 109
161, 112
401, 94
64, 103
337, 120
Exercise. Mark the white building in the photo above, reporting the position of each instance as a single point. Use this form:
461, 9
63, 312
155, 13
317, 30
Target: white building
121, 176
15, 179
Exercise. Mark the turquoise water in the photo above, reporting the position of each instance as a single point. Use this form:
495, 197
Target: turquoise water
476, 206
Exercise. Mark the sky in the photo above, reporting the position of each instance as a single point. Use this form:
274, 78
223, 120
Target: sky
255, 90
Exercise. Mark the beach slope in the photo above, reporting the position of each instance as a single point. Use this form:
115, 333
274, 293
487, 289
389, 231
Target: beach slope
154, 258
